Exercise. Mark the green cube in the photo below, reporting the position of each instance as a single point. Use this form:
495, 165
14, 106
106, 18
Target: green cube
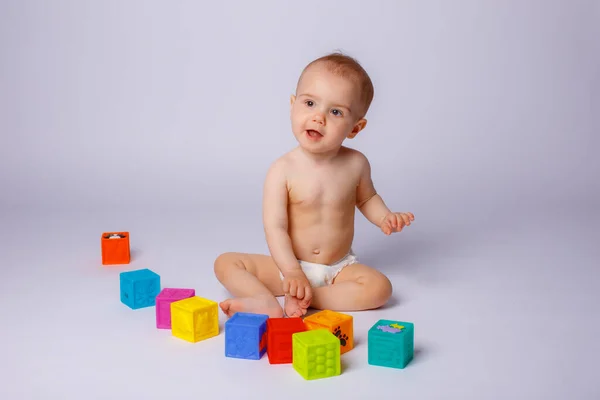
391, 343
316, 354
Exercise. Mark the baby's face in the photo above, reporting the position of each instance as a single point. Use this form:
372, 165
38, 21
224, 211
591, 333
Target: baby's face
326, 110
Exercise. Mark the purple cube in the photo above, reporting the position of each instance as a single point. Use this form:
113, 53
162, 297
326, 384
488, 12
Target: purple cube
163, 304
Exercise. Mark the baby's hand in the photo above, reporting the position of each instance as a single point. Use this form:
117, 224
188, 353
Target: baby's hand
296, 284
394, 222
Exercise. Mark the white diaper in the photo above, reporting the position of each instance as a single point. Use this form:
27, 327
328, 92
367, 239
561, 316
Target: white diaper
321, 274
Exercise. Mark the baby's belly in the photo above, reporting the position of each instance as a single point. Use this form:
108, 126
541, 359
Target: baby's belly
321, 238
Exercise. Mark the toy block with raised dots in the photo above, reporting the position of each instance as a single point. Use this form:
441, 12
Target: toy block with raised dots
139, 288
316, 354
194, 319
341, 325
391, 343
279, 338
115, 248
245, 336
163, 304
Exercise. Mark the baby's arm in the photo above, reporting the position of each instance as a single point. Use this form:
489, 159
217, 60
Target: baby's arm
371, 204
275, 221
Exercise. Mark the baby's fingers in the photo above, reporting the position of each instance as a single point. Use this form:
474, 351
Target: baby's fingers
304, 303
386, 227
402, 221
406, 218
308, 293
300, 292
293, 288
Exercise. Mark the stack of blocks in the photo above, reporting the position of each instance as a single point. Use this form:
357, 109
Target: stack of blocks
313, 346
391, 343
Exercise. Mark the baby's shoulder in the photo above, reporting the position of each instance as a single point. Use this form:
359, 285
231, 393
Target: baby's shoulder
283, 161
354, 157
282, 165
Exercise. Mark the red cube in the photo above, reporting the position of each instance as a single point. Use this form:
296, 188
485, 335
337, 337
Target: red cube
279, 338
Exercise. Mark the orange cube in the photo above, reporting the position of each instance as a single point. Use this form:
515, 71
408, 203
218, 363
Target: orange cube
341, 325
115, 248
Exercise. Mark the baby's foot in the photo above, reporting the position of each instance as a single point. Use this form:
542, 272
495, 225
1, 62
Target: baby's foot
257, 305
294, 307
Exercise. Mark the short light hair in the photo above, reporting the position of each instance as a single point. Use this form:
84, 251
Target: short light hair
347, 67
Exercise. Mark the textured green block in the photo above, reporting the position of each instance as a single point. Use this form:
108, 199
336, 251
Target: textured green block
316, 354
391, 343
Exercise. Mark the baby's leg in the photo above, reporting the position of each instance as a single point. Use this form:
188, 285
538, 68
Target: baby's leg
357, 287
253, 280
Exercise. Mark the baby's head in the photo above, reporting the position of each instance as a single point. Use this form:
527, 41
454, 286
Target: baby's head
332, 98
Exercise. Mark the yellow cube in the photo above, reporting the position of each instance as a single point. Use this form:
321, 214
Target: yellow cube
316, 354
194, 319
341, 325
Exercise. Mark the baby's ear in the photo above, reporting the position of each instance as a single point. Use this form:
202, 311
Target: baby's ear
359, 126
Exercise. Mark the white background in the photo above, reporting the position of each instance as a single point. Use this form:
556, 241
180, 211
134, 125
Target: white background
161, 118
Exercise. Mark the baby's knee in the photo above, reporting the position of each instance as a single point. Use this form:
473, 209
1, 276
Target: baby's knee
380, 288
222, 262
384, 289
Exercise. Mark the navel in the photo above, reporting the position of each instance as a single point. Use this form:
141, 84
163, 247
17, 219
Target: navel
316, 251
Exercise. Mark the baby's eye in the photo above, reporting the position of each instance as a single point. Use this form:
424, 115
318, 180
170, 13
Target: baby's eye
309, 103
336, 112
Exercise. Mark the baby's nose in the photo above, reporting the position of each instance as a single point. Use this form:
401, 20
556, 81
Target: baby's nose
319, 118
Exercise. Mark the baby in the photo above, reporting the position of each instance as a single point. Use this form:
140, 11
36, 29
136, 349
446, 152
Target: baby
309, 200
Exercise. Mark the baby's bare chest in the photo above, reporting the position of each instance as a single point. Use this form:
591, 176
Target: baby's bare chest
324, 190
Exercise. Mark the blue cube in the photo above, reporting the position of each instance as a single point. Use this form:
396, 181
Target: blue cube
139, 288
391, 343
245, 336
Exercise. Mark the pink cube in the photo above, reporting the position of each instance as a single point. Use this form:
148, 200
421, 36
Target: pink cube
163, 304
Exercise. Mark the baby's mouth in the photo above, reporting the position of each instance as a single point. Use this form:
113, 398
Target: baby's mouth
314, 134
